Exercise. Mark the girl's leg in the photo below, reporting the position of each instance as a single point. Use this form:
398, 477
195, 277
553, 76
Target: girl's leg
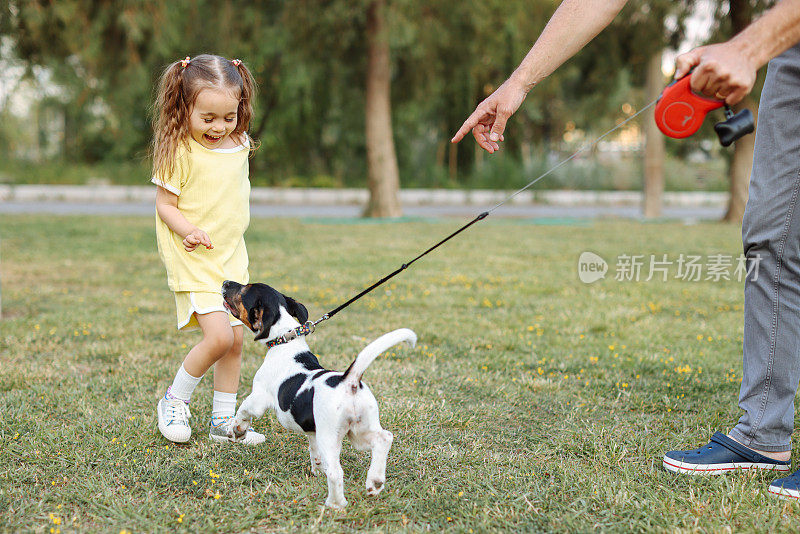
173, 408
227, 370
218, 339
226, 380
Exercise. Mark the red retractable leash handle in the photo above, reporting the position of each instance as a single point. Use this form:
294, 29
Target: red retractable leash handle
680, 112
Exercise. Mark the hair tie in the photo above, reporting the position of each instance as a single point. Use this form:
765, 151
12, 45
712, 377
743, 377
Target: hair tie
185, 62
236, 62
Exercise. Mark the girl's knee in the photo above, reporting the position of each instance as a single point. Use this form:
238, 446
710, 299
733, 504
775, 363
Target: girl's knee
236, 348
220, 341
238, 340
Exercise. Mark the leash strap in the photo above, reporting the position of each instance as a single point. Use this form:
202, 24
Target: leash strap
478, 218
402, 268
294, 333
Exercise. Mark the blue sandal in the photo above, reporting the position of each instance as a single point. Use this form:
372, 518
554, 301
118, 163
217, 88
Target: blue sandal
786, 488
722, 454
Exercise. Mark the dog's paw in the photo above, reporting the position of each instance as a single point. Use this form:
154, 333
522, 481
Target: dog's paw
315, 468
334, 504
374, 487
237, 430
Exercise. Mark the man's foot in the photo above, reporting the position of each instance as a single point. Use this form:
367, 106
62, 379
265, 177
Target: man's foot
219, 432
173, 419
783, 456
786, 488
722, 454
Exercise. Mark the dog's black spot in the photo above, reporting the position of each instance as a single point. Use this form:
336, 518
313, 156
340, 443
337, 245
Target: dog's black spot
320, 373
288, 390
335, 380
301, 406
303, 410
349, 368
307, 360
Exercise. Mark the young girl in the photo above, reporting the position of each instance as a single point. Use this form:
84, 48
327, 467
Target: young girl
200, 153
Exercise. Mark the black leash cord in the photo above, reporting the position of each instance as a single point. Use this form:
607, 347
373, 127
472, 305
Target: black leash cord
402, 268
476, 219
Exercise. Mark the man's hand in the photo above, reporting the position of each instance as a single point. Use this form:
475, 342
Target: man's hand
197, 237
721, 71
488, 121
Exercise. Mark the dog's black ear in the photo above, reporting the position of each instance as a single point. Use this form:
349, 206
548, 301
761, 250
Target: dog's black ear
261, 334
258, 323
296, 310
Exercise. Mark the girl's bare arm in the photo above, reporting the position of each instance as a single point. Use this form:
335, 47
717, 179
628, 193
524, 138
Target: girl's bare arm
167, 209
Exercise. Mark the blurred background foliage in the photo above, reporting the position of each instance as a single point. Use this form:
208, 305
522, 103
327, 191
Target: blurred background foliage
80, 75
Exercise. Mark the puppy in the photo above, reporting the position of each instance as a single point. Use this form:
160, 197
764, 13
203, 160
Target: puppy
325, 405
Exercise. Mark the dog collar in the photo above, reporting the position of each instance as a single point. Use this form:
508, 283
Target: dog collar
294, 333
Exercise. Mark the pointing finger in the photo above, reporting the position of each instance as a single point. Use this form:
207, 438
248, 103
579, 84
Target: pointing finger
468, 125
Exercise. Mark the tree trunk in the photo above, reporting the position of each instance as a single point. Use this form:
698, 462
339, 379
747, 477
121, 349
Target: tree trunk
741, 14
479, 152
383, 174
452, 162
654, 143
741, 165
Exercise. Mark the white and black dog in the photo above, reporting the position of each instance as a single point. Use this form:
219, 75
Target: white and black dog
325, 405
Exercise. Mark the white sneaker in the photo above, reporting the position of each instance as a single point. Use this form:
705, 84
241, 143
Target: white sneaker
173, 419
219, 432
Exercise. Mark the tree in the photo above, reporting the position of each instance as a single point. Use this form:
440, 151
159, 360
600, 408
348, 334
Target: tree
383, 174
408, 71
108, 56
741, 15
653, 26
654, 143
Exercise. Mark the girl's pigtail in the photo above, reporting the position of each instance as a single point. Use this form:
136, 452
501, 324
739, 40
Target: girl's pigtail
172, 118
246, 101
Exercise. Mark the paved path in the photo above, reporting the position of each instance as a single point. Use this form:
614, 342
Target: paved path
532, 211
347, 203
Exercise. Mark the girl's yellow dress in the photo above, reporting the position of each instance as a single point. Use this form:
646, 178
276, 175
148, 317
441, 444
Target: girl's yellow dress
213, 189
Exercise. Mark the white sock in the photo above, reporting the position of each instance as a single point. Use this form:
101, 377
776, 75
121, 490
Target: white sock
224, 406
183, 385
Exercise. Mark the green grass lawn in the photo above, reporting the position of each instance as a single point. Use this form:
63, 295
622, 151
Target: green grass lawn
533, 402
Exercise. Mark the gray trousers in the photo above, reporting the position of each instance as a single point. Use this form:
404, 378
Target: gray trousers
771, 229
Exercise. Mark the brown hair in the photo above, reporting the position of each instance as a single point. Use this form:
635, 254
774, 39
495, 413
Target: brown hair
178, 88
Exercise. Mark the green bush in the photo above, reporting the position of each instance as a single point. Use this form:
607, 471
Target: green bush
495, 172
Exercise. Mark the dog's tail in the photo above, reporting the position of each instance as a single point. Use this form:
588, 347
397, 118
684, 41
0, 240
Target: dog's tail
353, 374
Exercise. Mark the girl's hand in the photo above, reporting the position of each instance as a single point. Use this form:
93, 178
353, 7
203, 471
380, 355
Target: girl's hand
197, 237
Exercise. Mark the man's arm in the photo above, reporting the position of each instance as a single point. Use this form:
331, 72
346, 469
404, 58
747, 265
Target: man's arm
727, 71
572, 26
574, 23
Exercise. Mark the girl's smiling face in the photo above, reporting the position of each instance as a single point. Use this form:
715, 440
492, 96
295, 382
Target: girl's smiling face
213, 118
